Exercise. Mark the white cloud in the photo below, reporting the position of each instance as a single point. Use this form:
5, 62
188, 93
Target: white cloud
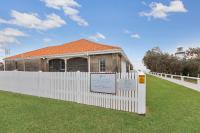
9, 35
70, 9
131, 34
136, 36
161, 11
3, 21
47, 40
126, 31
97, 36
32, 21
58, 4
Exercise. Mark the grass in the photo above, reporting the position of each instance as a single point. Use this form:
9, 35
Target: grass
170, 108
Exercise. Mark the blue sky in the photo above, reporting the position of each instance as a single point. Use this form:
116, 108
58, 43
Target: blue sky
134, 25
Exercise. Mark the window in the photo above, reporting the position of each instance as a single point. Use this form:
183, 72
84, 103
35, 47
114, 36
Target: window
102, 65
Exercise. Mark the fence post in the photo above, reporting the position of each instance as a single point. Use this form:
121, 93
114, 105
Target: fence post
141, 93
198, 83
182, 78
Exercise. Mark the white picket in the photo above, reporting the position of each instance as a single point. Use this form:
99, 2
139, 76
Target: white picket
70, 86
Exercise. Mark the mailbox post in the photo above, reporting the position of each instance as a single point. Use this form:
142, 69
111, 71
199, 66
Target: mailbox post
141, 93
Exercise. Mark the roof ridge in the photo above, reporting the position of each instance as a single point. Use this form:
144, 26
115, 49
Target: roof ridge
87, 40
106, 45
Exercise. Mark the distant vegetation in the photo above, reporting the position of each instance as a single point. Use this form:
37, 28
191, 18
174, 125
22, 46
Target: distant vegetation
157, 61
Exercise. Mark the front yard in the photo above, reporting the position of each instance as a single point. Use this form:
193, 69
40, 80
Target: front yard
170, 108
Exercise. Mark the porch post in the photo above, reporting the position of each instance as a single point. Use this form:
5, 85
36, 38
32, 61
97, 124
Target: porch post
41, 63
4, 65
88, 63
24, 65
47, 65
65, 64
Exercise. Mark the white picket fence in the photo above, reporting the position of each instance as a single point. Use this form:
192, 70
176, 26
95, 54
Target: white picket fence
190, 82
74, 86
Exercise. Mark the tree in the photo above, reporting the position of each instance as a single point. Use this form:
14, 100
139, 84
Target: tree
193, 52
157, 61
151, 60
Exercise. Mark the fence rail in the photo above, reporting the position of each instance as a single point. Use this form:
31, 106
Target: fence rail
190, 82
75, 86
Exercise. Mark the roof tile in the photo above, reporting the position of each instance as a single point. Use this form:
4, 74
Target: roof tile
79, 46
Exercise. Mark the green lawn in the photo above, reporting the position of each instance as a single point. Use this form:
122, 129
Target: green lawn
171, 108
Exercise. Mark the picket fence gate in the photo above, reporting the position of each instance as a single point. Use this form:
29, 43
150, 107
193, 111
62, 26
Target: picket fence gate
75, 87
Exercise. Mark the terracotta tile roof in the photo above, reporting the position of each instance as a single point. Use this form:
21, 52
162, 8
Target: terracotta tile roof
79, 46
